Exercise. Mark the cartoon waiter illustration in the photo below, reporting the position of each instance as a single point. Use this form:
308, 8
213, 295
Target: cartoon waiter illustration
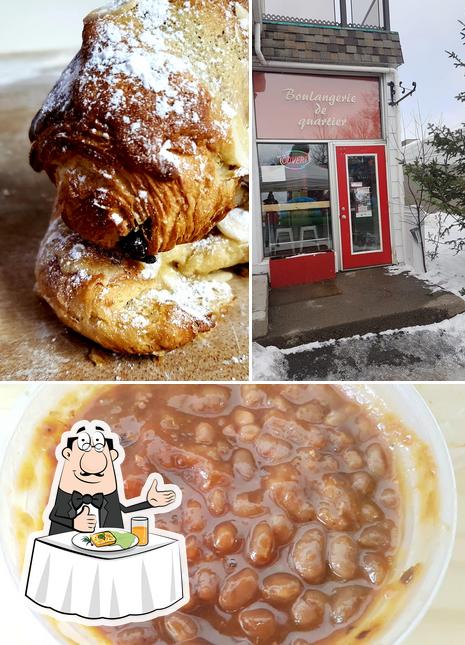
88, 479
85, 566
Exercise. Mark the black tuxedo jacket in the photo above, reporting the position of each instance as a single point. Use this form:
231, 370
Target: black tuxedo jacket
110, 515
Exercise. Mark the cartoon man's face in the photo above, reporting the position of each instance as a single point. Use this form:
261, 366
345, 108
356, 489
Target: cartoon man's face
88, 461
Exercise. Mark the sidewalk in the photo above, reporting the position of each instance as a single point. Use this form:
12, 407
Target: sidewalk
356, 302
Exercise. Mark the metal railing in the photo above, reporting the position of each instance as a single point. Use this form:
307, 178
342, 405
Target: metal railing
365, 14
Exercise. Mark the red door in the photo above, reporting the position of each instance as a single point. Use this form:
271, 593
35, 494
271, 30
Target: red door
363, 206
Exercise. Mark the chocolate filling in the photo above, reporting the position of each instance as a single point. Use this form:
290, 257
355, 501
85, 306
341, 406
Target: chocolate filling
135, 244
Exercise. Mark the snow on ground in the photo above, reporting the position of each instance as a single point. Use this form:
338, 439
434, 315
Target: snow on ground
430, 352
269, 364
448, 269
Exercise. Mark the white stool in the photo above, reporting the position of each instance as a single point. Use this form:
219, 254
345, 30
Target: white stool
285, 236
284, 233
303, 236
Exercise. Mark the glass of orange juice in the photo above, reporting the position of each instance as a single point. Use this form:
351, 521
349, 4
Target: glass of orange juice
140, 528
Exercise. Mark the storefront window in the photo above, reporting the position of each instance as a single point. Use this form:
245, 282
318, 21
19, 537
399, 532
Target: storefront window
295, 197
364, 204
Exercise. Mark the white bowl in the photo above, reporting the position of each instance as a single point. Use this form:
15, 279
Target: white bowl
428, 532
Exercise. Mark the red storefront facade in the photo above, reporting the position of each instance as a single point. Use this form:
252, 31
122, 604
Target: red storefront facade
326, 155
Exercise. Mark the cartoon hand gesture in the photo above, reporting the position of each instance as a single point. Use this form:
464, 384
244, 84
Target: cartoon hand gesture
157, 498
85, 522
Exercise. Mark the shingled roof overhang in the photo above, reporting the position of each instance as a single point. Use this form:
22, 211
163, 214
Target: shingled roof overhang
330, 45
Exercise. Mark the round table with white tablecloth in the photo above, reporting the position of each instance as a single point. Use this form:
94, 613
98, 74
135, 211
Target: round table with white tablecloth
97, 585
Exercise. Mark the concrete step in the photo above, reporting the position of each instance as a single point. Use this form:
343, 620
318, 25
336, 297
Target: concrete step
367, 301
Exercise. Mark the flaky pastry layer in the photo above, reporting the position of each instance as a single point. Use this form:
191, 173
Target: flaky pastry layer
130, 307
146, 130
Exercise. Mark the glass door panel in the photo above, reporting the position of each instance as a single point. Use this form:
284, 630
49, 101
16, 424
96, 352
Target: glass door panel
364, 203
363, 206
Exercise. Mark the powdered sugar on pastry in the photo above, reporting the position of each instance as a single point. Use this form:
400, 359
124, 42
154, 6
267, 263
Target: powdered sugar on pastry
149, 271
137, 321
118, 53
196, 297
116, 217
158, 48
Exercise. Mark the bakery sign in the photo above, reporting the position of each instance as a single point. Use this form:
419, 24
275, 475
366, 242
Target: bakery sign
314, 107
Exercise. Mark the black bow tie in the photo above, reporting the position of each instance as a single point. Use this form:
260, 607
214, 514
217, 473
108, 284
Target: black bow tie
77, 500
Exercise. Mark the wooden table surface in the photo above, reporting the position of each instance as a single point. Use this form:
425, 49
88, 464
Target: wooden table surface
34, 345
444, 622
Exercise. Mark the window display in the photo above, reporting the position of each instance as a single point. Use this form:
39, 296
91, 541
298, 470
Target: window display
295, 197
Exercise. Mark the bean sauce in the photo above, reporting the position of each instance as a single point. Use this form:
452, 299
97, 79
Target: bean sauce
290, 507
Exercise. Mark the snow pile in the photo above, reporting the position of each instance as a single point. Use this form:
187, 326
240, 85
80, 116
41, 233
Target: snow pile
269, 363
448, 269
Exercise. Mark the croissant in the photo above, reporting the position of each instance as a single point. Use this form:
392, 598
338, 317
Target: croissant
145, 135
131, 307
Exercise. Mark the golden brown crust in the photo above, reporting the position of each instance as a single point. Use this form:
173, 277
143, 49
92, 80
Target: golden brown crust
148, 124
126, 306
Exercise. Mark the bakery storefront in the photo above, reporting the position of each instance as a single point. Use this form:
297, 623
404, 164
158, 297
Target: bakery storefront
328, 175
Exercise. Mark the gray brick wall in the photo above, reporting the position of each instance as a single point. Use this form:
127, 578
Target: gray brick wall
309, 44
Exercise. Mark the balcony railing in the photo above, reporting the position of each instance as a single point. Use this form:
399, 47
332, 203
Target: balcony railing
364, 14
